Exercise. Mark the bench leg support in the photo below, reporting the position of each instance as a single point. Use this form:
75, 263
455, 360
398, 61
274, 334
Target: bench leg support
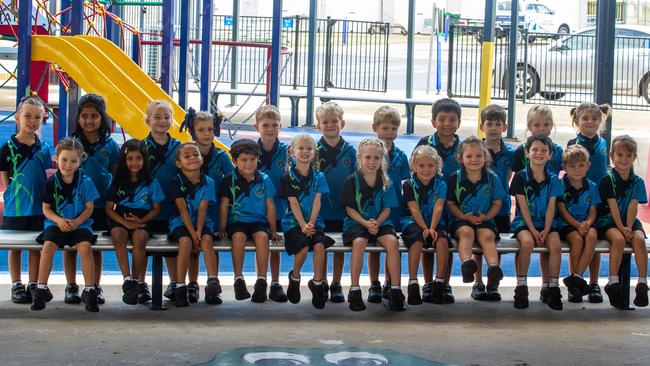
294, 110
156, 283
624, 278
410, 119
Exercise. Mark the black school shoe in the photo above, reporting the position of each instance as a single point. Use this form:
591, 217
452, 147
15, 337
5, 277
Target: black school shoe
543, 294
396, 300
72, 294
447, 295
414, 297
99, 293
19, 295
193, 292
574, 298
318, 296
336, 293
144, 296
130, 292
468, 268
494, 275
554, 298
479, 292
170, 291
241, 292
92, 300
493, 293
641, 299
259, 291
213, 292
427, 292
38, 299
595, 295
181, 299
32, 287
615, 295
326, 289
573, 285
355, 298
276, 293
521, 297
438, 293
375, 292
293, 290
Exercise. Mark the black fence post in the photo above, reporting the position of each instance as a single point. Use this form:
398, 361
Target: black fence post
450, 68
328, 53
296, 52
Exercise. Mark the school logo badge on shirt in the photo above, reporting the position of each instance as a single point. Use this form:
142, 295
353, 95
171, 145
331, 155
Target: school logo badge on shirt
487, 191
260, 192
346, 162
281, 164
588, 198
144, 197
603, 150
104, 153
506, 162
41, 155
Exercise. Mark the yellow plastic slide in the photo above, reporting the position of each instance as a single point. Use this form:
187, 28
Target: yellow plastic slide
100, 67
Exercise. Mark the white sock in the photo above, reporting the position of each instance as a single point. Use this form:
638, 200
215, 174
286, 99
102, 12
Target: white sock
42, 286
578, 275
180, 284
413, 281
613, 280
88, 287
212, 277
395, 287
553, 282
240, 277
522, 280
643, 280
14, 283
355, 288
318, 283
296, 279
274, 282
261, 278
438, 279
128, 278
386, 283
31, 283
545, 284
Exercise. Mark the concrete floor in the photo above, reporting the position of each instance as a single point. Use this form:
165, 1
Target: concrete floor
465, 333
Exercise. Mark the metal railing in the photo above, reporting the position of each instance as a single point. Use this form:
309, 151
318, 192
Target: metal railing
551, 69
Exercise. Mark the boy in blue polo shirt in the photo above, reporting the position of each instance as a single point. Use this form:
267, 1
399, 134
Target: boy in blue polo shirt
337, 160
385, 123
445, 119
273, 161
577, 208
68, 204
190, 226
23, 161
494, 124
247, 212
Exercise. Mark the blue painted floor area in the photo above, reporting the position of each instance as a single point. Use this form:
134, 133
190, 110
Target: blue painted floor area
406, 143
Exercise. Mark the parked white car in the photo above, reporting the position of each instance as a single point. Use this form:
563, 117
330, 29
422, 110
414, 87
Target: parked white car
568, 64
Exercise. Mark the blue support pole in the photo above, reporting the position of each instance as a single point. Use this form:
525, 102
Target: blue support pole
233, 52
182, 60
512, 61
206, 53
112, 29
311, 64
410, 42
24, 49
135, 49
62, 130
167, 46
438, 64
76, 27
276, 48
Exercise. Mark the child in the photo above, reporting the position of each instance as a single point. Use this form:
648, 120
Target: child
190, 225
247, 212
540, 120
23, 161
577, 207
368, 197
272, 162
93, 130
588, 117
216, 163
303, 187
494, 124
424, 197
536, 190
445, 119
336, 159
133, 201
621, 192
474, 198
161, 148
385, 124
68, 204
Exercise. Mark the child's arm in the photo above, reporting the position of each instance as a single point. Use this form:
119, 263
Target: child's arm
84, 215
438, 208
200, 218
493, 211
616, 215
383, 216
223, 217
297, 212
4, 175
414, 209
632, 211
270, 216
525, 214
561, 206
548, 219
315, 209
111, 214
62, 223
155, 210
185, 216
356, 216
454, 209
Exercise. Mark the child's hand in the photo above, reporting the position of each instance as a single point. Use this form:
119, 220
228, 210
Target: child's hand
482, 217
425, 233
63, 224
223, 234
542, 236
275, 236
130, 217
131, 225
536, 236
372, 225
628, 233
434, 234
474, 220
373, 230
73, 224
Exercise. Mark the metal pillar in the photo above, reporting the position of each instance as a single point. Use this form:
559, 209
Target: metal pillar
206, 53
167, 46
182, 60
311, 64
76, 27
410, 39
24, 49
234, 50
512, 69
113, 31
276, 48
62, 129
487, 60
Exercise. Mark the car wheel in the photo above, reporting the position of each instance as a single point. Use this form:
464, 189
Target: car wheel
531, 78
645, 89
551, 95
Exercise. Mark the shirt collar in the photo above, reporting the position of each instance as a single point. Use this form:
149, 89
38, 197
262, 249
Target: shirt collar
244, 184
575, 193
207, 159
67, 189
329, 154
266, 157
